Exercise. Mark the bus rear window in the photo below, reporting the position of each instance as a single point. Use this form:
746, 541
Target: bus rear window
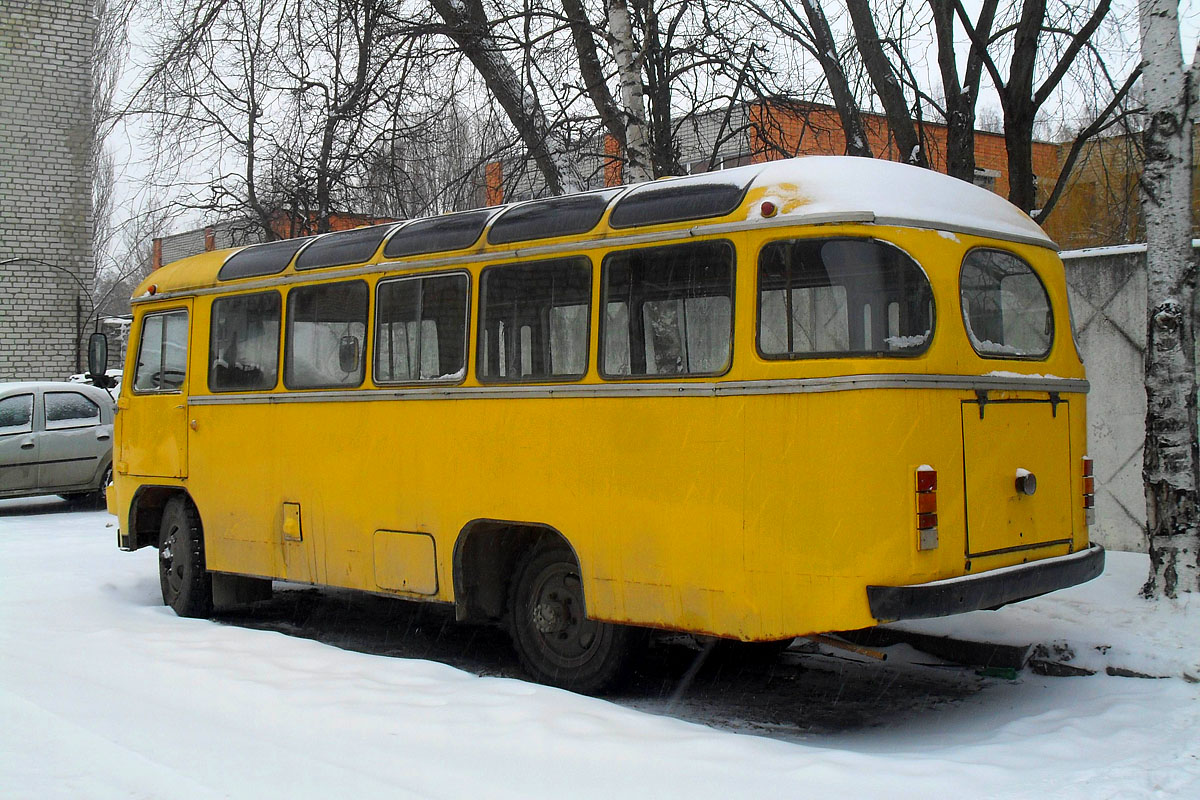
1005, 306
841, 297
326, 332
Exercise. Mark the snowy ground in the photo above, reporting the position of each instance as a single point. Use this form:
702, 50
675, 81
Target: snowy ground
105, 693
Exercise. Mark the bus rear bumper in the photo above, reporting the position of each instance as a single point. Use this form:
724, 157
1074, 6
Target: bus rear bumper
987, 590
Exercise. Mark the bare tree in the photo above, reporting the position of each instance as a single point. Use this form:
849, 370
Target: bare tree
1037, 44
468, 25
886, 80
1171, 468
109, 52
961, 93
813, 33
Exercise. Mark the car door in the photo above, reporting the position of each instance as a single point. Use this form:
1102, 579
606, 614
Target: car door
73, 441
18, 444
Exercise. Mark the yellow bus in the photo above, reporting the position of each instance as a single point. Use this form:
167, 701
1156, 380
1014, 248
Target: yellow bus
795, 397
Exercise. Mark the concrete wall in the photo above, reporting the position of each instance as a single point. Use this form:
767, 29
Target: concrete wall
1107, 287
45, 184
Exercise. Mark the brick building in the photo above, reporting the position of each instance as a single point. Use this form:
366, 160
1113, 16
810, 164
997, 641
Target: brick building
45, 186
1102, 203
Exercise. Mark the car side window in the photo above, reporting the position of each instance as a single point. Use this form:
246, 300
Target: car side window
16, 414
70, 410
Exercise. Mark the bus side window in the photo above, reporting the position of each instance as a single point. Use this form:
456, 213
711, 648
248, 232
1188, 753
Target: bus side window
420, 329
243, 349
162, 353
668, 310
321, 320
840, 297
533, 320
1005, 307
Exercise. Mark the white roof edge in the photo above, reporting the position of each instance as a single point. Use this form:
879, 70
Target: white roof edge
1113, 250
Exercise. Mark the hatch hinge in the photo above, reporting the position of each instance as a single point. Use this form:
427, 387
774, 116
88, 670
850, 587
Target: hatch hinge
1054, 401
981, 397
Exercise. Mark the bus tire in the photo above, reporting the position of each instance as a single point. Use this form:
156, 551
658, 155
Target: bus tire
186, 584
557, 644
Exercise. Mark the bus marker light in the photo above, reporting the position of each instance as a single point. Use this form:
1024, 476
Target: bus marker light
1089, 491
927, 535
769, 209
926, 479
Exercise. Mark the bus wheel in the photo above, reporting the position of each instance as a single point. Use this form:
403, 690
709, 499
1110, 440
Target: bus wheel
186, 584
556, 642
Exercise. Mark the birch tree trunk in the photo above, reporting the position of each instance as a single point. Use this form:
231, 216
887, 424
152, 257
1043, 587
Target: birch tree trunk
1170, 471
633, 104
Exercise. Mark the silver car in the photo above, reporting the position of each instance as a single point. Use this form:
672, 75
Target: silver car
55, 438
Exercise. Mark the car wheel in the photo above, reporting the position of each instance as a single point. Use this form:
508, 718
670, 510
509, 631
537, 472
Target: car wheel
556, 642
186, 584
98, 498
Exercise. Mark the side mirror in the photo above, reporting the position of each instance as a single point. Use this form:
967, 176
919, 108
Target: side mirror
348, 354
98, 359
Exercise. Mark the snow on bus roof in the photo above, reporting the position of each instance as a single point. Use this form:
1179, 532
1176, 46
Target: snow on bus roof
889, 193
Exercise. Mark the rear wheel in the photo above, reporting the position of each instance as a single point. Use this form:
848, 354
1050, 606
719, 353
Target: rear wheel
186, 584
98, 498
556, 642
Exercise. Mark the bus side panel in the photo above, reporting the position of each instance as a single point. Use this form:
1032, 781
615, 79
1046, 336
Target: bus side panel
236, 484
830, 502
646, 490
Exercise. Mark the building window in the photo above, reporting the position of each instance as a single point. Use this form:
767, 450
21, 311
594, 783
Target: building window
986, 178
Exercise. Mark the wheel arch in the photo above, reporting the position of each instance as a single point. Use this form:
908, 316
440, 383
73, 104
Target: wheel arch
486, 554
146, 511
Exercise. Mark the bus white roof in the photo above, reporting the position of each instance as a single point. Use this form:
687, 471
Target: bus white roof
844, 188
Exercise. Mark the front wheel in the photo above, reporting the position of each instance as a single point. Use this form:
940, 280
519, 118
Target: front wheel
186, 584
556, 642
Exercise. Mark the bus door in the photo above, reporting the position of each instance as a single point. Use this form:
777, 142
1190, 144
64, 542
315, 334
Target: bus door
154, 410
